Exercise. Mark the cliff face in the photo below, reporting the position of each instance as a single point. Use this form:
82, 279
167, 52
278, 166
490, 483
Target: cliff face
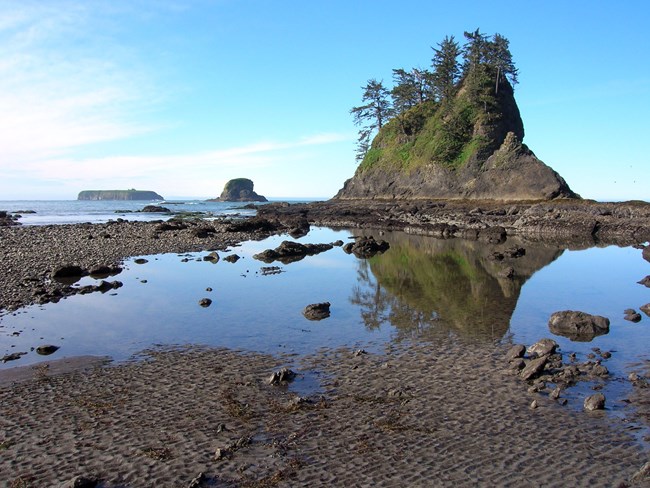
456, 150
118, 195
239, 190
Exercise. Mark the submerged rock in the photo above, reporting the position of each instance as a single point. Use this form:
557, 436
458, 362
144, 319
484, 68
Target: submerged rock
578, 326
317, 311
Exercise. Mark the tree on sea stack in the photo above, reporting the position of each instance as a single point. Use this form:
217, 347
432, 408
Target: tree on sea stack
452, 133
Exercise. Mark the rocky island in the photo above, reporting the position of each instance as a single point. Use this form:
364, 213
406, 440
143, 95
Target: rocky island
131, 194
239, 190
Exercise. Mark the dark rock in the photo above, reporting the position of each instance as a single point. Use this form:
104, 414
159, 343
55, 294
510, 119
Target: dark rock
317, 311
255, 224
205, 302
645, 281
578, 326
646, 253
68, 271
543, 347
516, 351
104, 270
47, 349
533, 368
213, 257
239, 190
289, 252
366, 247
155, 209
284, 375
300, 230
12, 357
203, 232
232, 258
594, 402
270, 270
140, 261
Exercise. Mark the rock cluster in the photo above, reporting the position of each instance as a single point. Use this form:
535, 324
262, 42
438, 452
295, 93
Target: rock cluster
290, 252
366, 247
542, 363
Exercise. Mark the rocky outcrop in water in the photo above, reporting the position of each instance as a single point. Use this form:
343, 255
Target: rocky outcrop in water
239, 190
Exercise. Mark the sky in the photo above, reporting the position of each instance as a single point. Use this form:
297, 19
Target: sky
180, 96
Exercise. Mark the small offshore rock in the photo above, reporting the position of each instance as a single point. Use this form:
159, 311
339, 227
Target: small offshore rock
516, 351
205, 302
213, 257
284, 375
317, 311
543, 347
47, 349
594, 402
13, 356
140, 261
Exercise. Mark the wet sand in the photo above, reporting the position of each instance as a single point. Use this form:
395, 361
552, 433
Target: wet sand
438, 414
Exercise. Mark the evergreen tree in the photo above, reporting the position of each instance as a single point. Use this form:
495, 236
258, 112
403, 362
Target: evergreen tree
446, 69
501, 59
411, 88
373, 115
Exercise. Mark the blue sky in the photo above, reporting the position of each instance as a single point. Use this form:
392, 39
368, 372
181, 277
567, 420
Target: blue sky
179, 96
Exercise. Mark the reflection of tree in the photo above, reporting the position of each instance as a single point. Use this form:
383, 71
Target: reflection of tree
423, 283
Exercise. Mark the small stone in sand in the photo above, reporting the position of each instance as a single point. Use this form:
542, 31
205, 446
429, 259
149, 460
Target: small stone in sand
282, 376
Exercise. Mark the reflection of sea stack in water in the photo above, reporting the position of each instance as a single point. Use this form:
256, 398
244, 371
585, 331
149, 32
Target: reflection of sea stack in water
455, 284
239, 190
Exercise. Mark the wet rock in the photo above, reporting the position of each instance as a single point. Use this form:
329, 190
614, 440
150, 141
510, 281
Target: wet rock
68, 271
594, 402
232, 258
645, 309
555, 393
301, 229
104, 270
533, 368
284, 375
205, 302
317, 311
366, 247
632, 315
289, 252
543, 347
516, 351
140, 261
47, 349
645, 281
517, 364
646, 253
155, 209
12, 357
203, 232
578, 326
197, 481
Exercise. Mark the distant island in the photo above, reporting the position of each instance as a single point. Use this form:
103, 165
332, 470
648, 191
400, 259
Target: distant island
131, 194
239, 190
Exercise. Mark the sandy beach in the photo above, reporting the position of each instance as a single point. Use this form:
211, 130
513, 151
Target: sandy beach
429, 415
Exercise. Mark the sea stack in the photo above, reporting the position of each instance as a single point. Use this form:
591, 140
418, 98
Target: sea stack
239, 190
456, 149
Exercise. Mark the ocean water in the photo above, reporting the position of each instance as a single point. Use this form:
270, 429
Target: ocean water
76, 211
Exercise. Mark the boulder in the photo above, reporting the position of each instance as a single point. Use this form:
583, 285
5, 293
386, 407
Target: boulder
69, 271
155, 209
516, 351
578, 326
594, 402
289, 252
46, 349
366, 247
543, 347
632, 315
533, 368
232, 258
317, 311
